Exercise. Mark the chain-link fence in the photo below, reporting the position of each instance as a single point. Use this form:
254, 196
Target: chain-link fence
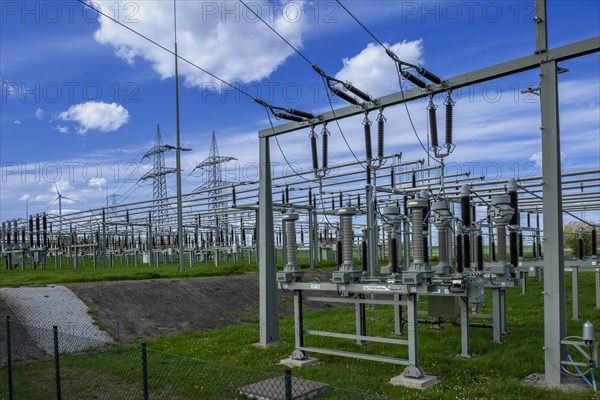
38, 363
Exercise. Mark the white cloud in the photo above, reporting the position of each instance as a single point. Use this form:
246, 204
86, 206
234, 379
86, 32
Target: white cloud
221, 37
372, 70
17, 122
61, 128
93, 115
39, 113
537, 158
97, 182
10, 89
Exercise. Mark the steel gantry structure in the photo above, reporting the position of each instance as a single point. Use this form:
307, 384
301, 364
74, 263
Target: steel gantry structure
543, 58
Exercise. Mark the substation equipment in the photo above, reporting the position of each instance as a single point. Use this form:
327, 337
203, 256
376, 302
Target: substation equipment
464, 276
370, 209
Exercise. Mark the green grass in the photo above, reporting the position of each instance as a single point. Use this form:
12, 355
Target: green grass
123, 271
494, 373
51, 275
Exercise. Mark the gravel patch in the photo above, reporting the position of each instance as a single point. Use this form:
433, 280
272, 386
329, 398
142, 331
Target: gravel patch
38, 309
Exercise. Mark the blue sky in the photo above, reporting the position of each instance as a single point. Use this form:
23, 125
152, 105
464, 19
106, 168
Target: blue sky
80, 98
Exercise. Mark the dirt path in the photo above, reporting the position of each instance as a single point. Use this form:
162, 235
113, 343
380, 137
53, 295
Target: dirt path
161, 307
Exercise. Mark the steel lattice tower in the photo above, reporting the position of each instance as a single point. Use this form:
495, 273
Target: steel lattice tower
213, 175
158, 174
212, 171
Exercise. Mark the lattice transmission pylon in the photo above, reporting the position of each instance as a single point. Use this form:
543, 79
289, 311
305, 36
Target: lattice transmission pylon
158, 174
212, 173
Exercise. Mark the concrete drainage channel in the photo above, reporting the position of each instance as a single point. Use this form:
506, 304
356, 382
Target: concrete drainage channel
44, 307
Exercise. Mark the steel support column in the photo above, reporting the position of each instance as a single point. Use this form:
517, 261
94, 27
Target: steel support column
555, 327
575, 292
299, 319
398, 324
598, 288
413, 370
464, 328
360, 320
371, 232
269, 321
496, 315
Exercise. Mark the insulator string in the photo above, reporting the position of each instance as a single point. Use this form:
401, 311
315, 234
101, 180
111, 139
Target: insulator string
368, 148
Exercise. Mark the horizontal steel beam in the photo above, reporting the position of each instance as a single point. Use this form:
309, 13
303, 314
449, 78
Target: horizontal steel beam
360, 356
355, 337
526, 63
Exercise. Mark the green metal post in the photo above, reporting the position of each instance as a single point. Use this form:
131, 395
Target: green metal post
287, 380
9, 358
144, 372
57, 363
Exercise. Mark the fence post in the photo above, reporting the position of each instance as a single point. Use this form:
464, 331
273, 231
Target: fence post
9, 358
287, 381
57, 363
144, 372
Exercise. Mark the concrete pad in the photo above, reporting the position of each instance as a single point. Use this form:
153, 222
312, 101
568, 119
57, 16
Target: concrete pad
290, 362
259, 345
414, 383
569, 383
274, 389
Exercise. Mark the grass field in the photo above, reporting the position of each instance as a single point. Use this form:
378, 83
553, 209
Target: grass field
494, 373
51, 275
123, 271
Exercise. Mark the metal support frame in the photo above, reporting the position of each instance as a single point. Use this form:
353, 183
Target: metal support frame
569, 51
554, 296
360, 300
